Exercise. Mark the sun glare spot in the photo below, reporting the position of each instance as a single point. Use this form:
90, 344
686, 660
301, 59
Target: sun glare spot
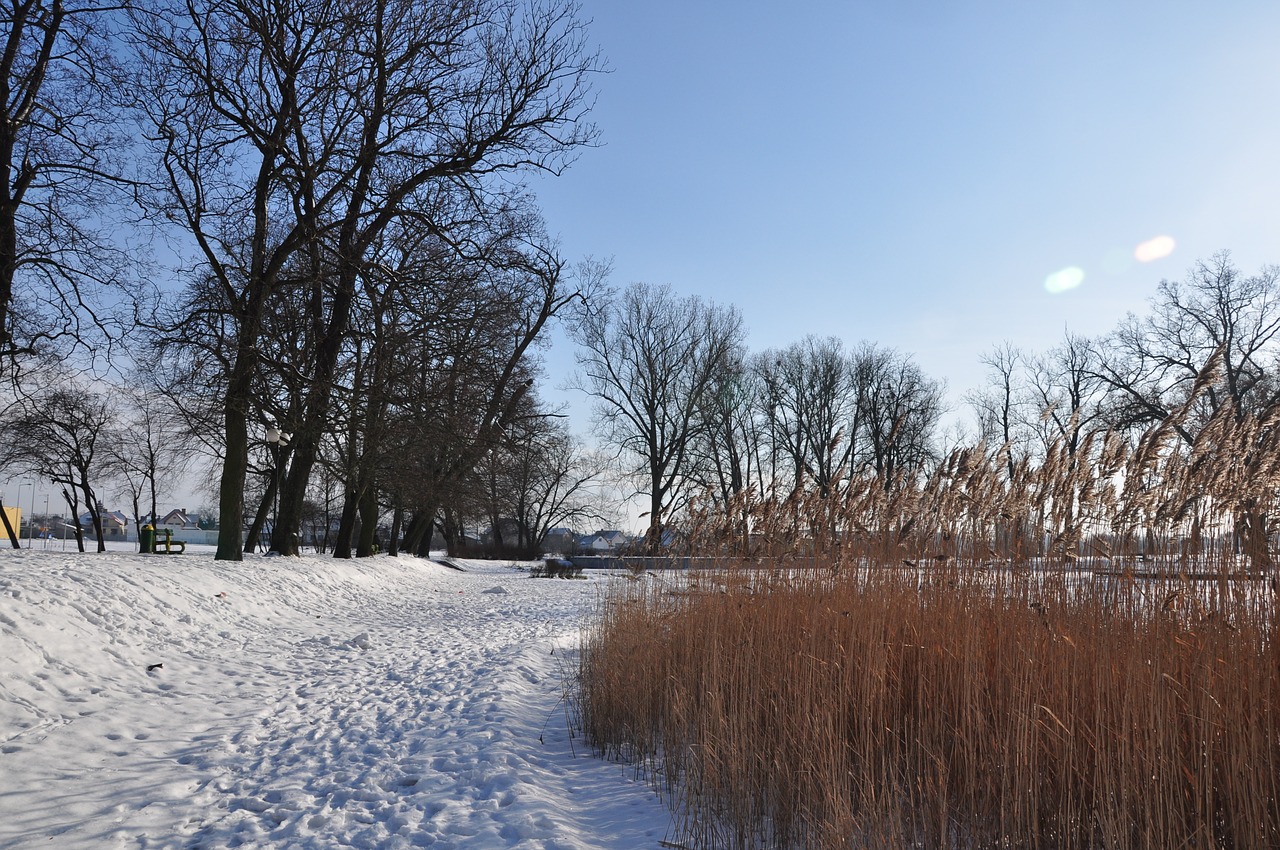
1061, 281
1154, 249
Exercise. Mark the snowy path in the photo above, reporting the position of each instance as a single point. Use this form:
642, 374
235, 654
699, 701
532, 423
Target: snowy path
389, 703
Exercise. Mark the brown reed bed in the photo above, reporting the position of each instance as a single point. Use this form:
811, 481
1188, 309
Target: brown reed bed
888, 706
999, 653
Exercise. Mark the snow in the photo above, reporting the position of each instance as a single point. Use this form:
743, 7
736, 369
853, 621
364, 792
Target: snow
165, 702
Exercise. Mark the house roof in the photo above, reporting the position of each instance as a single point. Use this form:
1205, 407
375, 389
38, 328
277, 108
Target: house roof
118, 517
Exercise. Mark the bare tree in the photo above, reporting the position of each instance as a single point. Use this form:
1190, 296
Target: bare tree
650, 358
154, 452
66, 435
513, 98
537, 479
1150, 365
470, 90
59, 240
812, 398
730, 456
1065, 393
224, 86
467, 332
1000, 406
896, 415
305, 129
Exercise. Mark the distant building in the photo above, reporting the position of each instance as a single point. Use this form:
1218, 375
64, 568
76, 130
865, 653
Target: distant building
616, 539
604, 541
15, 518
179, 519
116, 525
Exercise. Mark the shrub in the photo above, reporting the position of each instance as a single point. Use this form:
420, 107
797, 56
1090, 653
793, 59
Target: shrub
556, 568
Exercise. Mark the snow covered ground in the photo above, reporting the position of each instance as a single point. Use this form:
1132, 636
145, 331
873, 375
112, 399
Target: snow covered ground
301, 703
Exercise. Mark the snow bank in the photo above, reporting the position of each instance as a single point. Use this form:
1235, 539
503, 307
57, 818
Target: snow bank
150, 701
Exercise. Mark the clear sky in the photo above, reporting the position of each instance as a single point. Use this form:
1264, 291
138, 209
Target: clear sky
912, 172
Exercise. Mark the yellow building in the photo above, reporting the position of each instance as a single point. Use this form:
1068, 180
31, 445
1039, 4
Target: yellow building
15, 519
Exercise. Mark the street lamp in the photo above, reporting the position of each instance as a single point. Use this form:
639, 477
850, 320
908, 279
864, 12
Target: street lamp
17, 500
277, 439
31, 522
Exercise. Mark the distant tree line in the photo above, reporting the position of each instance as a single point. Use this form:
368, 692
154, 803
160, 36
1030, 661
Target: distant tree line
702, 422
363, 283
694, 414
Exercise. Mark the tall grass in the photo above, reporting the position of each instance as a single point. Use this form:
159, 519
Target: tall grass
998, 654
956, 708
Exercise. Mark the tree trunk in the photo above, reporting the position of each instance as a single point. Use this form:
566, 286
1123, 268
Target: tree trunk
239, 394
8, 247
137, 516
73, 502
397, 519
346, 526
452, 533
413, 532
654, 534
319, 398
260, 518
152, 487
95, 515
424, 543
495, 524
1251, 526
368, 522
235, 464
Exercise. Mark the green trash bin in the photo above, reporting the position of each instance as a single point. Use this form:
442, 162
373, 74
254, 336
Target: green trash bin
147, 540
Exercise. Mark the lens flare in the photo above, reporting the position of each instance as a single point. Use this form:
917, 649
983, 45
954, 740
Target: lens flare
1061, 281
1154, 249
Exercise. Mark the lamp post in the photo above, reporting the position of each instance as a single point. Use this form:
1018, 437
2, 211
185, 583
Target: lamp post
277, 439
31, 521
45, 538
17, 500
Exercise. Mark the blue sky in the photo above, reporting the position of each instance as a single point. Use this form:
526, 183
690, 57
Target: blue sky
911, 172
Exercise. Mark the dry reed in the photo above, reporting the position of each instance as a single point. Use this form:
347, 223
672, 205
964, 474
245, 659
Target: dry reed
895, 708
980, 658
